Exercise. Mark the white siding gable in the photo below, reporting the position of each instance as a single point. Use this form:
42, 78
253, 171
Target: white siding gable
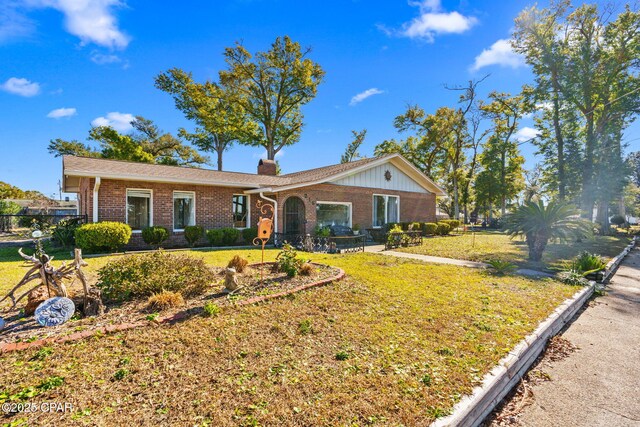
374, 178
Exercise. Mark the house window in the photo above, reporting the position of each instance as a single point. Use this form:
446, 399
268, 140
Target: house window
332, 213
241, 211
184, 209
139, 209
386, 209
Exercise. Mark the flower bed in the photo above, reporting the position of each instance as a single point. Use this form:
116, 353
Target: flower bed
119, 316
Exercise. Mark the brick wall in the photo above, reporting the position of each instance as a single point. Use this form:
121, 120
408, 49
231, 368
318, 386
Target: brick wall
214, 204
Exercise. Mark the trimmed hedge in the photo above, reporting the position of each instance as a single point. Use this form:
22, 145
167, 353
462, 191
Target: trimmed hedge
453, 223
248, 234
140, 276
193, 233
414, 226
443, 229
225, 236
155, 235
102, 236
429, 228
215, 236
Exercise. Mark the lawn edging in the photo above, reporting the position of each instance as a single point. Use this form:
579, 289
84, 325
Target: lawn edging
474, 408
9, 347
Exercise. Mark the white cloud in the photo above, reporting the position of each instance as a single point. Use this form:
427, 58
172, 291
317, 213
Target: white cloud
526, 133
93, 21
263, 154
432, 21
364, 95
61, 112
119, 121
20, 86
101, 59
500, 53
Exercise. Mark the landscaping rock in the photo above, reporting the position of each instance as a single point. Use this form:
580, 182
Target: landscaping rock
35, 298
55, 311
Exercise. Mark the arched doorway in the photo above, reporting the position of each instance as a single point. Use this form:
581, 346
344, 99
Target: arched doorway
294, 216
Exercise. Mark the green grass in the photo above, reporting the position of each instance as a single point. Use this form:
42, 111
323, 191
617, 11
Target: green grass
397, 342
485, 246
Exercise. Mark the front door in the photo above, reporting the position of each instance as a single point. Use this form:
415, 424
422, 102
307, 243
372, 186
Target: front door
294, 216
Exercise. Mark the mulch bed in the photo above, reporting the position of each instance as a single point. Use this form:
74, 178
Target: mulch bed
26, 332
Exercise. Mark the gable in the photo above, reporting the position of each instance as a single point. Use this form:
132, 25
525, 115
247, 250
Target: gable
375, 178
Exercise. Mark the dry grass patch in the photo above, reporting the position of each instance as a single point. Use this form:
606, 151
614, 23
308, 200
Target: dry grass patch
399, 342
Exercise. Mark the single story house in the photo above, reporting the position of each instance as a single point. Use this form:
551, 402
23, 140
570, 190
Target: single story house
369, 192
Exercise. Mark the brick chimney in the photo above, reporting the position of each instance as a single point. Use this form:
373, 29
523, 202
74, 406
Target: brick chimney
266, 167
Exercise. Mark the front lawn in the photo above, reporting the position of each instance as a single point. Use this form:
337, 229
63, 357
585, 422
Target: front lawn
487, 245
398, 342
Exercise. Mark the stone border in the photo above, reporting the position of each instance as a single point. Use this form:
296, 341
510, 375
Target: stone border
474, 408
9, 347
612, 265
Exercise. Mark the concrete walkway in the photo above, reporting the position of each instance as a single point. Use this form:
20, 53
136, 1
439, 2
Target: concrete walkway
599, 384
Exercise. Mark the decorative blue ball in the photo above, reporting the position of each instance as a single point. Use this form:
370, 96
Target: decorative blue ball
54, 311
2, 323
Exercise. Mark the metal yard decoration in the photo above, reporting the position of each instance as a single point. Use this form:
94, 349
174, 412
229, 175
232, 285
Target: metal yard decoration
265, 229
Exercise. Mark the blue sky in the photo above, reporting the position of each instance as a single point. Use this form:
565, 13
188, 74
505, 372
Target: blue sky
68, 64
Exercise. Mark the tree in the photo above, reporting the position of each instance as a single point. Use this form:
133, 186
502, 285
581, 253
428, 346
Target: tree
272, 87
147, 144
351, 153
539, 223
8, 191
215, 109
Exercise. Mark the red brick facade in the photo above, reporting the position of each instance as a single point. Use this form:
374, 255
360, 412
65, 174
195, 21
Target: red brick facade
213, 205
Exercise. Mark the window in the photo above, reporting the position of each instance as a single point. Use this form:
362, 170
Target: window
139, 209
386, 209
184, 209
331, 213
241, 211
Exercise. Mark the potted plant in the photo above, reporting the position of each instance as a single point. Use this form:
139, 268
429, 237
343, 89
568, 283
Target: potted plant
356, 229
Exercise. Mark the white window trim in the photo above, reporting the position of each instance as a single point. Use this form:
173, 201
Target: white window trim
386, 208
340, 203
126, 208
248, 196
173, 209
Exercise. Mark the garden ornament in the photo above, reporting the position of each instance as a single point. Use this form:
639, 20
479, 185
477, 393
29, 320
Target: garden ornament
2, 323
265, 228
230, 280
54, 311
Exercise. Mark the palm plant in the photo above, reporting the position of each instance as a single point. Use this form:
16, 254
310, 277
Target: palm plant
539, 223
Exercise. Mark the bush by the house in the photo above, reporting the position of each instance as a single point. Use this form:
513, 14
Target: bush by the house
287, 261
238, 263
248, 234
443, 229
101, 236
230, 235
322, 231
64, 232
155, 235
618, 220
453, 223
429, 228
414, 226
139, 276
215, 236
193, 233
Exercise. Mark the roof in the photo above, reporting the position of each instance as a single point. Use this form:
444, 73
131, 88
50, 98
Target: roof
75, 167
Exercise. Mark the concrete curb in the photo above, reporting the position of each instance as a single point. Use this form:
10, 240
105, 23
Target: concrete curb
9, 347
474, 408
615, 262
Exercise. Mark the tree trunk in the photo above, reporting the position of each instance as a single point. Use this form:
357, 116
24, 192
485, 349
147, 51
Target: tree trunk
588, 199
220, 151
537, 244
456, 205
503, 183
559, 140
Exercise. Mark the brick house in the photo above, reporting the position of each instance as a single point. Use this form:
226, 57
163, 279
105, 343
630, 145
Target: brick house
368, 192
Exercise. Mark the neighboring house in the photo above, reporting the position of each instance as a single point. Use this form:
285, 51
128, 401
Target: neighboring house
369, 192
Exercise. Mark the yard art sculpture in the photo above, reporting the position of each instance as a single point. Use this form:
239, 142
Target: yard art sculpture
265, 228
55, 311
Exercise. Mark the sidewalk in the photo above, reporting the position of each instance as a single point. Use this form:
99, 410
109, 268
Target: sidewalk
598, 384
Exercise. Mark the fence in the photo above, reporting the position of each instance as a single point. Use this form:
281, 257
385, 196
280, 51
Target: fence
329, 244
403, 239
10, 223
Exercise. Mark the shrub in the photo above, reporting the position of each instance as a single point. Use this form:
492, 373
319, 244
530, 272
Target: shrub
210, 309
429, 228
9, 208
443, 229
587, 263
453, 223
248, 234
136, 276
164, 300
215, 236
500, 267
238, 263
618, 220
65, 231
101, 236
287, 261
414, 226
307, 269
322, 231
230, 235
572, 277
193, 233
155, 235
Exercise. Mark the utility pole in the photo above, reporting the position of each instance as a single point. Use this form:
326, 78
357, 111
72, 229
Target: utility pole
60, 189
